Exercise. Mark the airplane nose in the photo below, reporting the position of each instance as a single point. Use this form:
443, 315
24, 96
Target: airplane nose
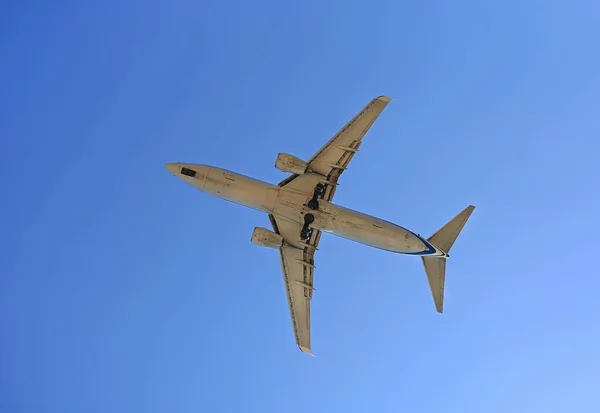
172, 167
189, 170
193, 174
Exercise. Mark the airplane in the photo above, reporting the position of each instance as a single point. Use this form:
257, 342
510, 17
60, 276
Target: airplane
300, 209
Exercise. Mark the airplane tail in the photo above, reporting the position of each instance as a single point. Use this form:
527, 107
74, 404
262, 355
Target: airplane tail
435, 267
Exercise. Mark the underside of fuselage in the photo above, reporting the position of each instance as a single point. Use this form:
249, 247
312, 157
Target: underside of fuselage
307, 210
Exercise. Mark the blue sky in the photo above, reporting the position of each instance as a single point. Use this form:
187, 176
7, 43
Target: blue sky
122, 289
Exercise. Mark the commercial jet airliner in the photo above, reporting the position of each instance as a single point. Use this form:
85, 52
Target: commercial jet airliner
300, 209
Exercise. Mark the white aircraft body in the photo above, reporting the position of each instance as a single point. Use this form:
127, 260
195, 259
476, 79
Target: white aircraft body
300, 209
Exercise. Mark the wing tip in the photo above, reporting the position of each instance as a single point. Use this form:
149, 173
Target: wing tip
384, 98
306, 350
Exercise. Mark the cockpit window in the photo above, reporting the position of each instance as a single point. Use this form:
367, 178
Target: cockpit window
188, 172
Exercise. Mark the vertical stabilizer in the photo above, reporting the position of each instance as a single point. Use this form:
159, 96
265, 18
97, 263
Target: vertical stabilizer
435, 267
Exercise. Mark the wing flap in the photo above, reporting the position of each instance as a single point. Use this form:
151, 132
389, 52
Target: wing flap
298, 287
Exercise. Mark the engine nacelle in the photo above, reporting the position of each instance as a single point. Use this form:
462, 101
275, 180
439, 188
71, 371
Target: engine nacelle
266, 238
289, 163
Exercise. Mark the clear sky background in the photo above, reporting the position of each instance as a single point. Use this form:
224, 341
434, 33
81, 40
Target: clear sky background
124, 290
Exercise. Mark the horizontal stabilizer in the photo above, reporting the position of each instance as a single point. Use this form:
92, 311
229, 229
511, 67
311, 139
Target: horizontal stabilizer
445, 236
435, 267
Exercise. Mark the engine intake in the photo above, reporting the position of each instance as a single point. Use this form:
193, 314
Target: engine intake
289, 163
266, 238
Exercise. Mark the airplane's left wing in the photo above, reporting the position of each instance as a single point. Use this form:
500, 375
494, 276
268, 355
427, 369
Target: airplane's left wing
297, 265
331, 160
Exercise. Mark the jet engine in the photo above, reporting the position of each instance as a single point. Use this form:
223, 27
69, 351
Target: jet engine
289, 163
266, 238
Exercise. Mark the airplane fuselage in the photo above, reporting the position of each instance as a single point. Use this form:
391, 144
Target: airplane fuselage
291, 205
